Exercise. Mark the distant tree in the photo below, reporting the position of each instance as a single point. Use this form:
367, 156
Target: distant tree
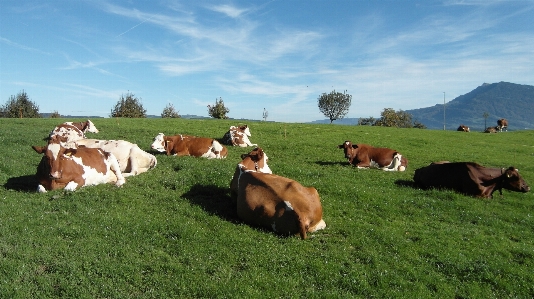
218, 110
128, 106
391, 118
334, 105
170, 112
20, 106
55, 114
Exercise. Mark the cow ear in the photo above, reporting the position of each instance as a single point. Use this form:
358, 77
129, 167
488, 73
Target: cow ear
341, 146
354, 146
38, 149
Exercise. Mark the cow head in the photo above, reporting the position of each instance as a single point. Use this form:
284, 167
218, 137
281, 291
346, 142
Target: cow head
349, 149
159, 143
511, 180
245, 130
90, 127
256, 160
53, 152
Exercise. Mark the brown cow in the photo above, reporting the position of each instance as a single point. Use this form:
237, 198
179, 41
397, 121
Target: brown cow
73, 131
492, 130
470, 178
256, 160
238, 136
71, 168
274, 202
502, 124
463, 128
366, 156
186, 145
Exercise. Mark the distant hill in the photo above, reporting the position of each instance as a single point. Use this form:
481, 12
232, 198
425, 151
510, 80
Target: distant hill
514, 102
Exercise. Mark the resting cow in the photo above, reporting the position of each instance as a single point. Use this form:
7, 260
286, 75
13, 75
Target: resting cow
256, 160
186, 145
274, 202
463, 128
238, 136
366, 156
72, 168
73, 131
502, 124
132, 160
470, 178
491, 130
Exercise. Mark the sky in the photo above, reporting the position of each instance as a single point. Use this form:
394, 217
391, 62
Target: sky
80, 57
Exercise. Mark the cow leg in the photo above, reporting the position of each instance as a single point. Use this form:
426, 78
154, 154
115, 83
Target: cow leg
41, 189
71, 186
114, 166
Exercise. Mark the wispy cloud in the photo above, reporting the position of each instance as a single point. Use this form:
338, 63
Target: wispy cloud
228, 10
22, 47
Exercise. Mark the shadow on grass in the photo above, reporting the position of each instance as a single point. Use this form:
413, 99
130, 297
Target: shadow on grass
330, 163
214, 200
406, 183
25, 183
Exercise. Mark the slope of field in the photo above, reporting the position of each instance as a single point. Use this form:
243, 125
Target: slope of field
173, 232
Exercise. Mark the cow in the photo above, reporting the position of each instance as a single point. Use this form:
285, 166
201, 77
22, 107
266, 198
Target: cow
502, 124
238, 136
469, 178
132, 160
256, 160
463, 128
187, 145
73, 131
73, 168
274, 202
367, 156
492, 130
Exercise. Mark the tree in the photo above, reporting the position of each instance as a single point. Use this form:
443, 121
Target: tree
391, 118
128, 106
334, 105
20, 106
170, 112
55, 114
218, 110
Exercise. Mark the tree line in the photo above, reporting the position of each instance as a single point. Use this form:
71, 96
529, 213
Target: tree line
334, 105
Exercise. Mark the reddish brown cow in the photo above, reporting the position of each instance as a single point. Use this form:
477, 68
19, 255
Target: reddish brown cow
470, 178
256, 160
71, 168
238, 136
463, 128
366, 156
274, 202
186, 145
502, 124
73, 131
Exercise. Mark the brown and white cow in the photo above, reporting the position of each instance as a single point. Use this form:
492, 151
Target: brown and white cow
275, 202
502, 124
256, 160
463, 128
132, 160
238, 136
73, 131
367, 156
492, 130
470, 178
73, 168
187, 145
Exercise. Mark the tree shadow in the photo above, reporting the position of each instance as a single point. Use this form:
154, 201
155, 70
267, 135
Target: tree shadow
214, 200
25, 183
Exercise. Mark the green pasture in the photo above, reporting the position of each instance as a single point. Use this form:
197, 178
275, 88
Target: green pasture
173, 232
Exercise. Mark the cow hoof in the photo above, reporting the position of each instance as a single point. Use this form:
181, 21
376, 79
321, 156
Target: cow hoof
41, 189
120, 183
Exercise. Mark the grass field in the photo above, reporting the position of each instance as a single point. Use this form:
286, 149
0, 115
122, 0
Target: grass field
173, 233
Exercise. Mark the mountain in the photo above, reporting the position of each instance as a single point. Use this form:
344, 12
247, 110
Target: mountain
514, 102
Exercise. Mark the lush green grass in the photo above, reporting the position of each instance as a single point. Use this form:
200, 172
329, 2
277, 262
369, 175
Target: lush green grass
173, 232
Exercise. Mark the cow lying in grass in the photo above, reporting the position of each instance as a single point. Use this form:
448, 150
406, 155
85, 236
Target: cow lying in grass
186, 145
366, 156
274, 202
72, 131
72, 168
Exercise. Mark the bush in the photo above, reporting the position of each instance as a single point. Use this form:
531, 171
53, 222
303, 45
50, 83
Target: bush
20, 106
170, 112
129, 106
218, 110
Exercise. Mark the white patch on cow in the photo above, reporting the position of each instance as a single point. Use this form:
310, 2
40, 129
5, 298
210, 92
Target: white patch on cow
41, 189
216, 147
54, 148
247, 132
265, 168
71, 186
91, 127
373, 164
318, 226
289, 207
158, 143
395, 163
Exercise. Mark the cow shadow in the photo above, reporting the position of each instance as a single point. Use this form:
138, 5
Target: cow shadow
330, 163
406, 183
214, 200
25, 183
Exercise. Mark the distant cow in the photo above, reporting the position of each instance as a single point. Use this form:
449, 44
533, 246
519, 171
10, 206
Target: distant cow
463, 128
72, 168
491, 130
186, 145
274, 202
366, 156
238, 136
502, 124
132, 160
470, 178
73, 131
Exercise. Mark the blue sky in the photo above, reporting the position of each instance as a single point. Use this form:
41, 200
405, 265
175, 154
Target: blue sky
79, 57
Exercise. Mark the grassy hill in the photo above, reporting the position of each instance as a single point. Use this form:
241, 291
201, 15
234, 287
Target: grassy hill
500, 100
173, 232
